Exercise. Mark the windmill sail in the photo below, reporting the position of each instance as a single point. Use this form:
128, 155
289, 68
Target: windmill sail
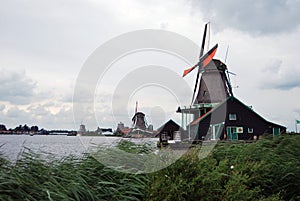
204, 60
200, 55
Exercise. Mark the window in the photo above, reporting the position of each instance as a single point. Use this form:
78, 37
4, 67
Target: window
232, 117
250, 130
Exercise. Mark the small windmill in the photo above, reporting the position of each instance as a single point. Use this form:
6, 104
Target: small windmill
139, 120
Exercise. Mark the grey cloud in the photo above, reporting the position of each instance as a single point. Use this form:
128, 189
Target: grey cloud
49, 28
278, 76
273, 66
15, 112
39, 115
16, 87
297, 111
255, 17
16, 116
38, 110
2, 107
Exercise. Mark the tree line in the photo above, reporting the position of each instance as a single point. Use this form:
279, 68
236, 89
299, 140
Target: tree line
21, 129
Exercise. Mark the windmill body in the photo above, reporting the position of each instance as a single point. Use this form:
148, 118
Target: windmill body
138, 121
214, 86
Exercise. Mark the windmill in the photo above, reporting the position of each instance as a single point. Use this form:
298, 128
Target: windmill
211, 88
139, 120
215, 84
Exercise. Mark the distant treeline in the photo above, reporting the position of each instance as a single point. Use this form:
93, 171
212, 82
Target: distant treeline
25, 129
19, 129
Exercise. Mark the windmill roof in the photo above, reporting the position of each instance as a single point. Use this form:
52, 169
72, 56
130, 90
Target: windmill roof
138, 114
216, 64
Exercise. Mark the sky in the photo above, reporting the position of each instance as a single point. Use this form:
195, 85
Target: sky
45, 44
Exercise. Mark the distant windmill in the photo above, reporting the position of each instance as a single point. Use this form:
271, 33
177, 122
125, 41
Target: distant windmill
139, 120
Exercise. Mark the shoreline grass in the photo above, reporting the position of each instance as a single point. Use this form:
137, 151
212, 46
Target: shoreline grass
266, 170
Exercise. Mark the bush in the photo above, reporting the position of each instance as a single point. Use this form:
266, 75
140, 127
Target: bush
266, 170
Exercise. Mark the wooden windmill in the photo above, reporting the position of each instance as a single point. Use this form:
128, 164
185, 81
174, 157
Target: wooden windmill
214, 85
138, 120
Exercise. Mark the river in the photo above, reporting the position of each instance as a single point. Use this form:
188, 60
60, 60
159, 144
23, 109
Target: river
57, 145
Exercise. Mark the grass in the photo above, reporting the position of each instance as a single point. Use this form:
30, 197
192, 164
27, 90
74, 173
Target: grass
32, 178
268, 169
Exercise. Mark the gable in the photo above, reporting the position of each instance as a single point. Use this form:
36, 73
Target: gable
169, 126
245, 119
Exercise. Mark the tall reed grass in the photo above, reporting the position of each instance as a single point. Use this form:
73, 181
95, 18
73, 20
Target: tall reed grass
70, 178
268, 169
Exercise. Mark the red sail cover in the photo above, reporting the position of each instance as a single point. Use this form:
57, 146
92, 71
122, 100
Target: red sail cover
204, 60
187, 71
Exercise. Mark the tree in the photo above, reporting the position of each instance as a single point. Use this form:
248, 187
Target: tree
3, 127
26, 128
19, 128
34, 128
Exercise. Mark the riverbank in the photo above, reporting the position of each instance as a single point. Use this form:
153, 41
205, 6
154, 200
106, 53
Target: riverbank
268, 169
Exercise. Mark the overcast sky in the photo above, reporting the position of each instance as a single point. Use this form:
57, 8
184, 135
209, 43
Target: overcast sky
44, 45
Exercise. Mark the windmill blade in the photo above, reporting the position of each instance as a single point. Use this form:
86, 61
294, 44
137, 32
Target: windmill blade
228, 82
196, 84
187, 71
229, 86
200, 55
203, 42
204, 61
231, 73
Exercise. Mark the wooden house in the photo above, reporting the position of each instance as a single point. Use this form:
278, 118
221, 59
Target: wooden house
239, 122
168, 130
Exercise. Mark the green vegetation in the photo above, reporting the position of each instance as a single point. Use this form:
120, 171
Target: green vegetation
32, 178
268, 169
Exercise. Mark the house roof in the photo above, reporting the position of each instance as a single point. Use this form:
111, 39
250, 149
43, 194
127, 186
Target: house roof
201, 118
166, 124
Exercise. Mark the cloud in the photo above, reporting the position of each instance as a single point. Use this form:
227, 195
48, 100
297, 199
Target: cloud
16, 87
2, 107
254, 17
280, 76
39, 114
297, 111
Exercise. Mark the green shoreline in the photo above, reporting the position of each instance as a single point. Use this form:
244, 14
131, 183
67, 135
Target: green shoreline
268, 169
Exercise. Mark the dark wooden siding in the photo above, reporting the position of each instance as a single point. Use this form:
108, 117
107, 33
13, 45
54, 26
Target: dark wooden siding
245, 117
